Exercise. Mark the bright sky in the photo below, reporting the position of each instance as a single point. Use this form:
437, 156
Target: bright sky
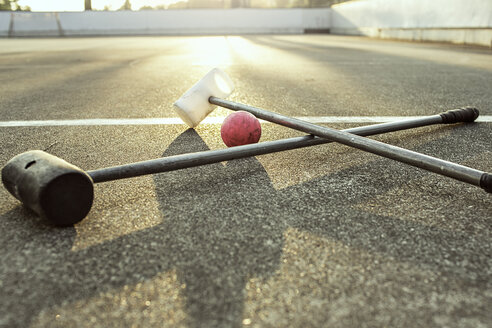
78, 5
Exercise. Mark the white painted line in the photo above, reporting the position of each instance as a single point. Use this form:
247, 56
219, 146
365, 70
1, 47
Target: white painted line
209, 120
94, 122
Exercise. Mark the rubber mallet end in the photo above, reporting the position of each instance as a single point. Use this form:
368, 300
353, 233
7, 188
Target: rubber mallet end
53, 188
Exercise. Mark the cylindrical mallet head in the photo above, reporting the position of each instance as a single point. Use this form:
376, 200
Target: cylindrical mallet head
194, 106
51, 187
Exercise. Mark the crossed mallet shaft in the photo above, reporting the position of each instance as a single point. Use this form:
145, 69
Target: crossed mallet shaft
63, 193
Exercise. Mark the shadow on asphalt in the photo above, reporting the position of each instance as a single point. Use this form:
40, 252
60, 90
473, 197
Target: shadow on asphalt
223, 224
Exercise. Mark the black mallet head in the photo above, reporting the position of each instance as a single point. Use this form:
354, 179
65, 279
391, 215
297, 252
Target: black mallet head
50, 186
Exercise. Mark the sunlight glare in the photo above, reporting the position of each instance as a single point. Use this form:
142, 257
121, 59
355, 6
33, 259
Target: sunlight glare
242, 46
210, 52
223, 84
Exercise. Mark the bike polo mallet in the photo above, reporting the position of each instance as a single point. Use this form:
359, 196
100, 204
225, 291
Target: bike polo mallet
63, 193
202, 98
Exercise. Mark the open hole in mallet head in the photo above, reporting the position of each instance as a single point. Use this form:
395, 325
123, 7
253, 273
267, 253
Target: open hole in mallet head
29, 164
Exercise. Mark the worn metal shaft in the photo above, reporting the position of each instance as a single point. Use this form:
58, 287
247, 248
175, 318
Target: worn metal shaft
63, 193
214, 156
436, 165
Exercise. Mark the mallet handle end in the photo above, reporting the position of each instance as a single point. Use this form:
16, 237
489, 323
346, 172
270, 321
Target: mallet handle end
486, 182
467, 114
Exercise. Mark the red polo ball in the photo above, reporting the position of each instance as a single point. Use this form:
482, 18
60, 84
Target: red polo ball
240, 128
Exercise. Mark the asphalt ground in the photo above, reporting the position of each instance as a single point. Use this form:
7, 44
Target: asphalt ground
325, 236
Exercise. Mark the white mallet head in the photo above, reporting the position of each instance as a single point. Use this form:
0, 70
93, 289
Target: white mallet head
194, 106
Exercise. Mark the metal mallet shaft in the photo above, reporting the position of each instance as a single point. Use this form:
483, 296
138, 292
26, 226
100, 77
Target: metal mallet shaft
63, 193
449, 169
214, 156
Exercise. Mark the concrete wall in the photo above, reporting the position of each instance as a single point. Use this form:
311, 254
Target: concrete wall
171, 22
4, 23
459, 21
456, 21
34, 24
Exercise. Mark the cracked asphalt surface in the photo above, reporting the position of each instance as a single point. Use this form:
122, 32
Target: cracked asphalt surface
325, 236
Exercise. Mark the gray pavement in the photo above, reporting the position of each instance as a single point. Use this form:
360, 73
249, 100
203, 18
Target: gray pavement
325, 236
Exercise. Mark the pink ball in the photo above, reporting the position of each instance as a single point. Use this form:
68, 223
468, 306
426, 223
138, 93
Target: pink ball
240, 128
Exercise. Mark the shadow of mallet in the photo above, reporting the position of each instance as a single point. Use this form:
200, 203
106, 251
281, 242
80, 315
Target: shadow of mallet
63, 193
202, 98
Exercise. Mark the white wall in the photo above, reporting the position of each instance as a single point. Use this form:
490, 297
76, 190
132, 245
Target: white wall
34, 24
172, 22
4, 23
460, 21
316, 19
457, 21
